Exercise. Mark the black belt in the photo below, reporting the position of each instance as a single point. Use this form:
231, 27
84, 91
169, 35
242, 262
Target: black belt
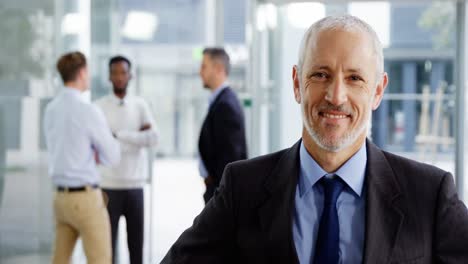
76, 189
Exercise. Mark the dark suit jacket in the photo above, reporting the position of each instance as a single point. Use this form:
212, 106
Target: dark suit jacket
222, 137
413, 214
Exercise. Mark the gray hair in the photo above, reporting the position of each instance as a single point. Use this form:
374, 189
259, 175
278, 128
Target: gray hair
220, 55
347, 23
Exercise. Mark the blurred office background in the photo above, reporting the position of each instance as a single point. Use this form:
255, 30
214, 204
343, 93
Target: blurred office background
422, 115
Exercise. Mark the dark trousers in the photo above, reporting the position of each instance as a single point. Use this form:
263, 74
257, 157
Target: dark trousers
130, 204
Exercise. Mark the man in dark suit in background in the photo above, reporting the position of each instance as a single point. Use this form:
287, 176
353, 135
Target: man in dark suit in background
334, 197
222, 137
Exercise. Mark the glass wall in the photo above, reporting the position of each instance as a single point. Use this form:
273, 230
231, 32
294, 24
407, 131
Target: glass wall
163, 39
26, 81
34, 35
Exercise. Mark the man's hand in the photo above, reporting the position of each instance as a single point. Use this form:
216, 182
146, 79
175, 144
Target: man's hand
145, 126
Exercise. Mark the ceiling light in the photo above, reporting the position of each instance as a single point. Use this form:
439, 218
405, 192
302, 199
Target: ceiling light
140, 25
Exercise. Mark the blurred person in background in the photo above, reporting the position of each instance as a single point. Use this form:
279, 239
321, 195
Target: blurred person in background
132, 124
77, 136
222, 137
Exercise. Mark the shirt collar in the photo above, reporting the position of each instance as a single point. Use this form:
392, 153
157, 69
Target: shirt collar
216, 92
72, 91
115, 99
352, 171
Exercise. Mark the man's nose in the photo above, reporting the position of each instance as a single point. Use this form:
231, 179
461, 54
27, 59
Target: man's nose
337, 92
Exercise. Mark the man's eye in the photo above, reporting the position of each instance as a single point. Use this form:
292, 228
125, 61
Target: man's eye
319, 75
355, 78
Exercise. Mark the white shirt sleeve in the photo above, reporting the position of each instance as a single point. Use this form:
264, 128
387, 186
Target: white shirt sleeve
145, 138
107, 147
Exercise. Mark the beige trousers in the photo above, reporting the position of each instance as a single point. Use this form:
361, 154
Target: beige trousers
82, 214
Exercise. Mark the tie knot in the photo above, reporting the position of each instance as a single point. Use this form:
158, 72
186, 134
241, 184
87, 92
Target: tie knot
332, 188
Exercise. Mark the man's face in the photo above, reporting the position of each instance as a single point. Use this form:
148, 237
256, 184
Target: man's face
119, 76
338, 88
208, 71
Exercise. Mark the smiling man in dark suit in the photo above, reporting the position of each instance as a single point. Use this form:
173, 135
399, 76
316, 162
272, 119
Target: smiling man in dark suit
333, 197
222, 137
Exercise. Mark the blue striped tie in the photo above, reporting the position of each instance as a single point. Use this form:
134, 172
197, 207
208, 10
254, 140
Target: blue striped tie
327, 246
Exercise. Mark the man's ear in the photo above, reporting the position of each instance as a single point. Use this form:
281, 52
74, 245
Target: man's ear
379, 92
296, 84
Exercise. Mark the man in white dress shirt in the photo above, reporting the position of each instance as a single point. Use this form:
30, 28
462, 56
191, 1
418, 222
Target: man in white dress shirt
77, 135
132, 124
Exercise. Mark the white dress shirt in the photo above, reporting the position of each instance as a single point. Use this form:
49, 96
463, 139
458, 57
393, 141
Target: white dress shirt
125, 117
75, 130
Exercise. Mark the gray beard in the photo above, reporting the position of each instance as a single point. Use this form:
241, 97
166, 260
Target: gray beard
345, 141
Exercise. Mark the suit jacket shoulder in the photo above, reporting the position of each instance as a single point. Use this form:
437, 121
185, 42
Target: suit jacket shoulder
248, 220
226, 104
249, 178
412, 212
416, 179
404, 165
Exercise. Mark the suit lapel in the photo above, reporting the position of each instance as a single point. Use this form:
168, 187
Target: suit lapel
384, 217
280, 190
